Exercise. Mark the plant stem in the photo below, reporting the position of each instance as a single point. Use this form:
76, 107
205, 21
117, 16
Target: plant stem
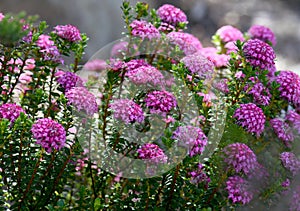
173, 187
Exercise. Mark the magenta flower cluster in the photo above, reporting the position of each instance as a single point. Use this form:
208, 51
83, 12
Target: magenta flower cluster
259, 54
199, 176
145, 75
199, 65
160, 102
136, 63
171, 15
127, 111
10, 111
48, 49
152, 152
261, 94
68, 80
192, 137
291, 162
238, 190
82, 100
240, 157
282, 130
143, 29
229, 33
49, 134
68, 32
262, 33
95, 65
289, 86
295, 200
293, 119
251, 117
188, 43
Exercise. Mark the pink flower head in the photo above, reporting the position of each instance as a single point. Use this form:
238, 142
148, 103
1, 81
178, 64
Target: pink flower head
136, 63
222, 85
68, 32
119, 49
260, 93
49, 134
206, 98
145, 75
259, 54
262, 33
238, 190
95, 65
1, 16
160, 102
165, 27
289, 86
293, 118
29, 64
199, 176
282, 130
171, 15
48, 49
10, 111
127, 111
291, 162
199, 65
251, 117
211, 53
295, 200
144, 29
231, 47
239, 75
192, 137
69, 80
188, 43
82, 100
152, 152
229, 33
240, 157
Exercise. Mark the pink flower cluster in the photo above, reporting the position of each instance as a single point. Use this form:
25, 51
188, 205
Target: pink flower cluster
199, 65
143, 29
293, 118
95, 65
68, 80
282, 130
68, 32
229, 33
82, 100
238, 190
295, 200
48, 49
199, 176
289, 86
251, 117
10, 111
262, 33
188, 43
49, 134
127, 111
145, 75
291, 162
160, 102
261, 94
259, 54
192, 137
240, 157
171, 15
152, 152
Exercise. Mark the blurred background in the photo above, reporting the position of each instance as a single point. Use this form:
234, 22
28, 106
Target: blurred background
102, 20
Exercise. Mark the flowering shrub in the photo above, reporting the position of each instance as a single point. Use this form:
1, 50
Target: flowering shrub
158, 101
